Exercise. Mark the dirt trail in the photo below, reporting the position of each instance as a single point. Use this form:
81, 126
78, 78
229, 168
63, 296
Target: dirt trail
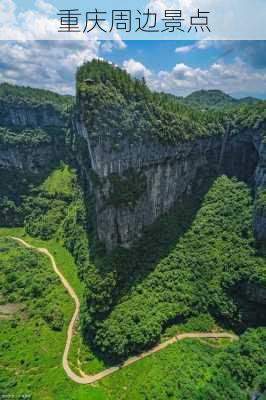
88, 379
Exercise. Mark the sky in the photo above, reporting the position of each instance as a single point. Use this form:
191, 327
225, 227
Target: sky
179, 67
228, 20
175, 66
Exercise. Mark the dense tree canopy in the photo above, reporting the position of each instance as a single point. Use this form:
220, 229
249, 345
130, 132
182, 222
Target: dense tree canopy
116, 105
13, 94
215, 99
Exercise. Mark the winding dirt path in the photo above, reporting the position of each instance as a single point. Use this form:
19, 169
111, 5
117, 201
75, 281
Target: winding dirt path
88, 379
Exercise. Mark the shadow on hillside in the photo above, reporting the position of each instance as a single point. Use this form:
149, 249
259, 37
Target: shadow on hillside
133, 265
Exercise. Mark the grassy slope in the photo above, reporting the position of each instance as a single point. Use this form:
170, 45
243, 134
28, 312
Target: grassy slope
175, 373
60, 181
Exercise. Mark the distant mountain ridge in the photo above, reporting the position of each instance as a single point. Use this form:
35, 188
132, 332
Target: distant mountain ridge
215, 99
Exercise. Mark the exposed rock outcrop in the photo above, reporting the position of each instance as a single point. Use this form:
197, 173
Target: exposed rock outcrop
259, 227
25, 115
255, 292
30, 159
259, 222
169, 171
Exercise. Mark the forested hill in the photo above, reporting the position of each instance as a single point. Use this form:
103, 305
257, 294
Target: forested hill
215, 99
33, 128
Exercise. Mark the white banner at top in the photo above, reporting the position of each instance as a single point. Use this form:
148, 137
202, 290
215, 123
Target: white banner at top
133, 20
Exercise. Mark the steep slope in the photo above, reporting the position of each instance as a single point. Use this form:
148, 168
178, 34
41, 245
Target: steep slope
32, 121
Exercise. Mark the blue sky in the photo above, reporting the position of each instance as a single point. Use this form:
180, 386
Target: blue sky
178, 67
161, 54
236, 67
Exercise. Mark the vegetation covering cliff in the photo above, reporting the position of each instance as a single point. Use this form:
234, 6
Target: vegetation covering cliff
115, 104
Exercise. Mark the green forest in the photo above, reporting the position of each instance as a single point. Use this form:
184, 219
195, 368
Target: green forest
215, 99
18, 95
116, 105
205, 271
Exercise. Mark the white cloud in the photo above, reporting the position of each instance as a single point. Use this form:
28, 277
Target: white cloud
200, 45
229, 20
184, 49
136, 69
109, 45
46, 64
7, 13
40, 22
160, 6
236, 77
45, 7
204, 44
52, 65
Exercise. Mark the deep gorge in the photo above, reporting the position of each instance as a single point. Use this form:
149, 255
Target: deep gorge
141, 162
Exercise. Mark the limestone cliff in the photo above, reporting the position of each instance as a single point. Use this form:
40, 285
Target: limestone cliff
30, 158
25, 115
141, 152
260, 185
255, 292
136, 174
127, 134
31, 135
168, 172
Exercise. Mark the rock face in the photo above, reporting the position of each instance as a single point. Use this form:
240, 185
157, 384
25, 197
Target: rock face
25, 115
259, 222
170, 172
29, 159
259, 227
135, 181
255, 292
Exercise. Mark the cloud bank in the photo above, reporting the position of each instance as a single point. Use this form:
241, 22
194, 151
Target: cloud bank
52, 65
